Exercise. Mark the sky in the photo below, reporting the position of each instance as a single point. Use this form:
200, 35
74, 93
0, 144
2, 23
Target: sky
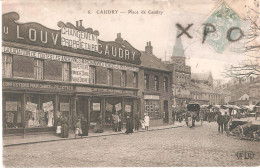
138, 28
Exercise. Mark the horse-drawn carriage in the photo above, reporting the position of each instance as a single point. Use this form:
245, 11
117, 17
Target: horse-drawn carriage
244, 130
193, 111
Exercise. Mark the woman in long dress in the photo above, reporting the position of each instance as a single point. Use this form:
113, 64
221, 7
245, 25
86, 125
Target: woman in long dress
64, 128
84, 126
129, 125
146, 121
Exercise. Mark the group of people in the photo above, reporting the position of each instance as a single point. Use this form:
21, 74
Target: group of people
222, 121
81, 126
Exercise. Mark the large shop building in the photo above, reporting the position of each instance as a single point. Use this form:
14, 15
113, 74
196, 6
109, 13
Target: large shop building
66, 73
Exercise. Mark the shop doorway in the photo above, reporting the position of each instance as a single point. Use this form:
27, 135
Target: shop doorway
166, 112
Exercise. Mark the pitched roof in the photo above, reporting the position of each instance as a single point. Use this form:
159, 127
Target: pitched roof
201, 76
203, 88
151, 61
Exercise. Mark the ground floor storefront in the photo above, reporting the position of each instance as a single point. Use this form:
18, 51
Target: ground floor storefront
37, 106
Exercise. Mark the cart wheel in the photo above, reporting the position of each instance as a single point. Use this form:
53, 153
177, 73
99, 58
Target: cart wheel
228, 133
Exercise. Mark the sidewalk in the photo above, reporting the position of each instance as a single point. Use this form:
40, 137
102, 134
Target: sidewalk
40, 138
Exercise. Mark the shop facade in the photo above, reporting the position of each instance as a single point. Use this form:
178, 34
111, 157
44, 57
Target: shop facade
50, 75
155, 91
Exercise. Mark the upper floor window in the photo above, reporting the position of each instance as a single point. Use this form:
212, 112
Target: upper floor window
38, 68
7, 65
110, 77
123, 79
92, 74
156, 83
65, 71
146, 81
165, 84
135, 80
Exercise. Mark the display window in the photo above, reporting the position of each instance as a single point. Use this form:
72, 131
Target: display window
64, 111
152, 107
95, 113
113, 105
39, 110
12, 110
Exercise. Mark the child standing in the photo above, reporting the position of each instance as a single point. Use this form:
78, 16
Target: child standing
58, 130
78, 130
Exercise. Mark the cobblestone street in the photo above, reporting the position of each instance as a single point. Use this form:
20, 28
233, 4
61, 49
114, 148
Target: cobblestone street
199, 146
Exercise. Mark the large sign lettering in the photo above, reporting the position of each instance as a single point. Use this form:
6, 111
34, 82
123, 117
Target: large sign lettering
68, 38
80, 72
78, 39
35, 54
36, 86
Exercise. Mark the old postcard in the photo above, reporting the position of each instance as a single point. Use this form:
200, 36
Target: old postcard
130, 83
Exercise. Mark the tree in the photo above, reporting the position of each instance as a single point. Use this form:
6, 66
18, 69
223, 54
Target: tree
250, 67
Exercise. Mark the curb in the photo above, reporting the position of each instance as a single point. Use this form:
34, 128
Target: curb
62, 139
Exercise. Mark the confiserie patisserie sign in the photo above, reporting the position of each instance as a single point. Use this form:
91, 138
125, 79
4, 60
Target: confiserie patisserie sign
68, 38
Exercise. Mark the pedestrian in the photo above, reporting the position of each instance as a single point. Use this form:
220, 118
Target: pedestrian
78, 129
58, 130
189, 120
201, 118
119, 122
129, 127
143, 124
64, 128
137, 120
226, 121
84, 126
220, 121
116, 120
146, 121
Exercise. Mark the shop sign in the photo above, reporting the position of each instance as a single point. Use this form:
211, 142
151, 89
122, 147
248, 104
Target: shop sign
74, 60
31, 107
48, 106
80, 72
118, 107
109, 107
36, 86
64, 107
67, 38
103, 90
96, 106
11, 106
127, 108
78, 39
152, 97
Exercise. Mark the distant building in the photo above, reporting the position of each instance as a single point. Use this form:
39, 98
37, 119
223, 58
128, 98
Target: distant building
254, 91
201, 89
181, 75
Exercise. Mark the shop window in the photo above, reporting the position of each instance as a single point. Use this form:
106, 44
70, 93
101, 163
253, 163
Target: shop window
165, 84
38, 68
92, 74
110, 77
123, 79
146, 81
156, 83
64, 108
39, 110
7, 65
135, 80
152, 107
95, 113
65, 71
12, 111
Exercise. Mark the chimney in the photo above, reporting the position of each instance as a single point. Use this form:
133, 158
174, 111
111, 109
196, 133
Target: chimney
119, 38
80, 23
77, 24
149, 47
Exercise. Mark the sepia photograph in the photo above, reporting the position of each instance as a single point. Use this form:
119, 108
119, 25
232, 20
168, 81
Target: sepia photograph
130, 83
